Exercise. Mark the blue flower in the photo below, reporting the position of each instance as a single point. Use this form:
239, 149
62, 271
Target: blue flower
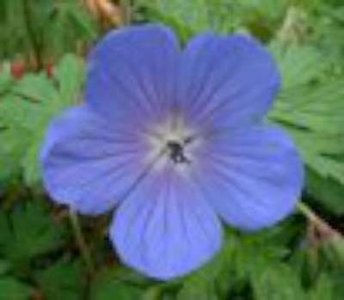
174, 139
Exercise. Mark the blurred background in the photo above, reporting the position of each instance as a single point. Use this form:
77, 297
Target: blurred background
43, 45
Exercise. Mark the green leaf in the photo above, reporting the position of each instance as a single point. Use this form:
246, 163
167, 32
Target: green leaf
324, 289
204, 282
242, 257
190, 17
11, 152
23, 114
199, 288
181, 10
298, 64
5, 266
11, 289
329, 191
62, 280
27, 28
310, 107
314, 119
107, 286
26, 112
70, 77
81, 21
28, 231
277, 282
6, 79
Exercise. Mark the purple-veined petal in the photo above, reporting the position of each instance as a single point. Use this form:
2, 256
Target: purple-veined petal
165, 228
88, 163
226, 82
253, 177
132, 73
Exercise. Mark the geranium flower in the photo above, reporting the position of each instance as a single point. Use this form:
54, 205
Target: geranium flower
176, 140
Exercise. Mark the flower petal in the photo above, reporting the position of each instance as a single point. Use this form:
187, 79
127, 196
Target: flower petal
165, 229
88, 163
133, 71
227, 81
253, 177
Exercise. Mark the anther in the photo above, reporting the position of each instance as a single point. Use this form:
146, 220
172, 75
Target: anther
176, 152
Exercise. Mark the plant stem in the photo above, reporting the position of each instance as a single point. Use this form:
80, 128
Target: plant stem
34, 39
80, 240
126, 9
29, 98
319, 223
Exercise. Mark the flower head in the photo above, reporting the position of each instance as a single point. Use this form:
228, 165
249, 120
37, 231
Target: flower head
176, 141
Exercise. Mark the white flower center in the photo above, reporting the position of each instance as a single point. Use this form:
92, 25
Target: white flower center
174, 141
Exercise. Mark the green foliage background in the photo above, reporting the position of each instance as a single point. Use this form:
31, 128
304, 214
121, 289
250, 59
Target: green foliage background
302, 258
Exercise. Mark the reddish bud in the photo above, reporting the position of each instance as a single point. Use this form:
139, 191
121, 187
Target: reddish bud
18, 69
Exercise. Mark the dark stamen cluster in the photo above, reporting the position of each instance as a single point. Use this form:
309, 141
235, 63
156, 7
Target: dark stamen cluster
176, 152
